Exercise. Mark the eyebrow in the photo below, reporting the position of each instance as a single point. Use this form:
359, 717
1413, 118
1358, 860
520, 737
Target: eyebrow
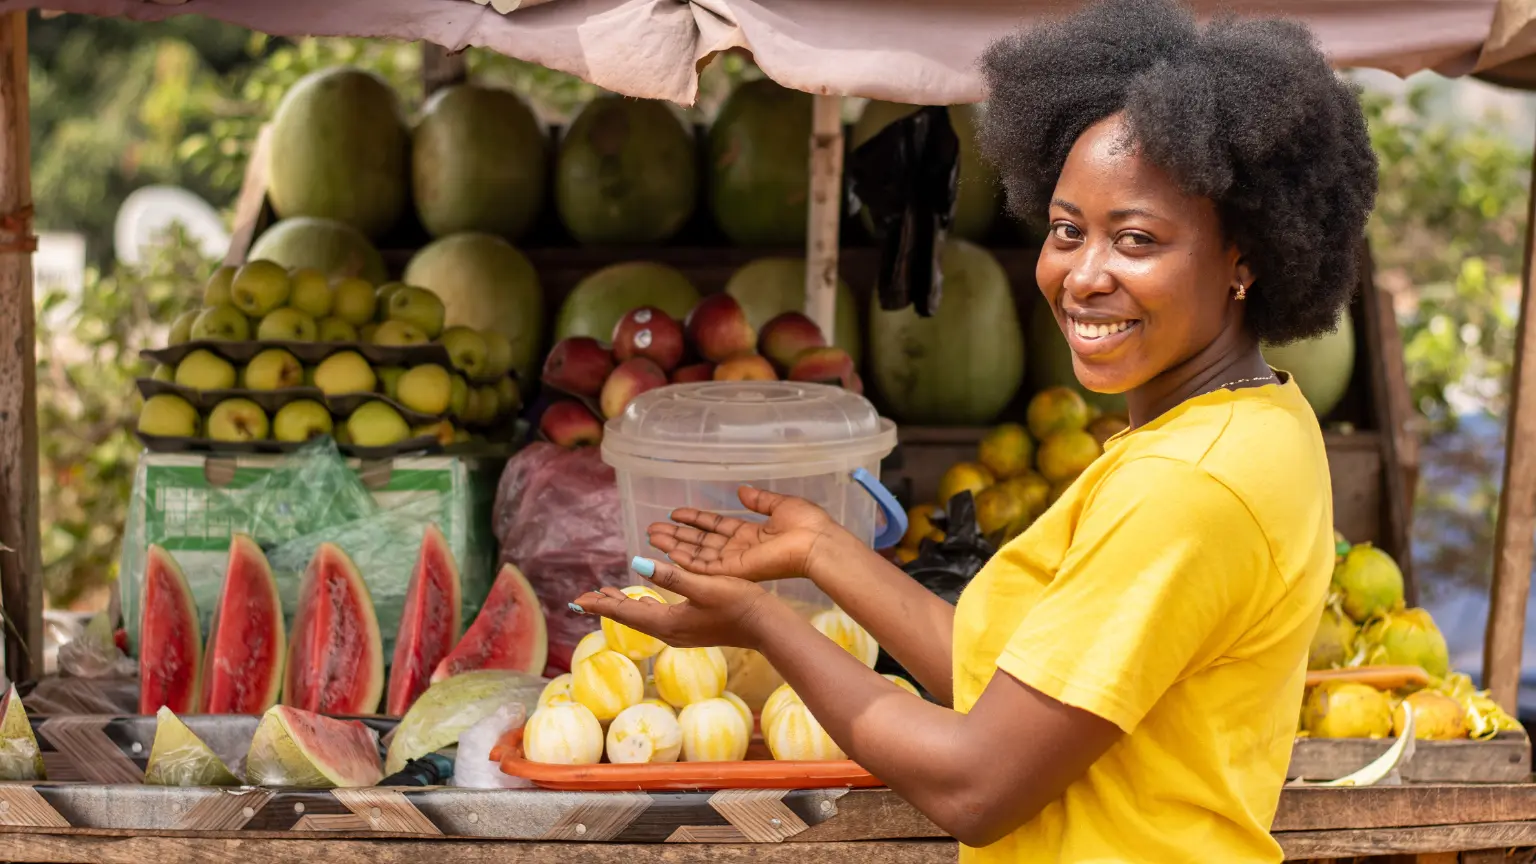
1117, 215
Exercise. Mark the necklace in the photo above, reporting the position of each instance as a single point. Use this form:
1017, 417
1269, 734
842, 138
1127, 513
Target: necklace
1270, 377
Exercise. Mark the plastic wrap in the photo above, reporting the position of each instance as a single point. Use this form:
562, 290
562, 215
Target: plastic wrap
55, 696
449, 707
559, 520
94, 653
20, 757
472, 766
307, 751
180, 758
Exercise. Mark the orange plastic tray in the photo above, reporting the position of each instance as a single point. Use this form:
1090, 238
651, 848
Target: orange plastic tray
754, 772
1380, 677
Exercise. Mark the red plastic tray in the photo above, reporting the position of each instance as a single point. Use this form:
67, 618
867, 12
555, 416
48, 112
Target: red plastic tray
755, 772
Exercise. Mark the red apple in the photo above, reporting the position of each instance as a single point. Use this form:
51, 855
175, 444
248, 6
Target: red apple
786, 336
825, 366
718, 328
633, 377
693, 372
746, 367
569, 424
649, 332
578, 365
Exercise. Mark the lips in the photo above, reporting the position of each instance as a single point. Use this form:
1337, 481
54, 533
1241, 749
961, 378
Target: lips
1088, 338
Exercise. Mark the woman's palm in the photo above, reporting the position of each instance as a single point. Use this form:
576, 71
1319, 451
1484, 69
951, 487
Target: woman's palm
716, 545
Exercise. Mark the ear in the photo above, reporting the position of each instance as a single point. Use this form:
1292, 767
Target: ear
1242, 274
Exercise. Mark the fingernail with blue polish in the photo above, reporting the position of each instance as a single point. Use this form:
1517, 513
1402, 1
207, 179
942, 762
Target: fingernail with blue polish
644, 566
577, 609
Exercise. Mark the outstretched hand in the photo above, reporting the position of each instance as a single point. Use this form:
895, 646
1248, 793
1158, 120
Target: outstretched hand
780, 548
714, 611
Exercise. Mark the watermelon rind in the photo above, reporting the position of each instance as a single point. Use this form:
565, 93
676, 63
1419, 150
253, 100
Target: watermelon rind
20, 757
322, 676
180, 758
497, 639
305, 750
249, 615
170, 641
450, 707
429, 622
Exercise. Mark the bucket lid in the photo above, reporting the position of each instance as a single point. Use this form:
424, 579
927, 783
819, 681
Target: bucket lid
719, 423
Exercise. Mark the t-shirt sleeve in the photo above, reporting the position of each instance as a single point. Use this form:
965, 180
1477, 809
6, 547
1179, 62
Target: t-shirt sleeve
1162, 564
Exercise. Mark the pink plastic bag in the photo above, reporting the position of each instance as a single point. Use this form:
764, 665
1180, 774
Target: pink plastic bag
558, 520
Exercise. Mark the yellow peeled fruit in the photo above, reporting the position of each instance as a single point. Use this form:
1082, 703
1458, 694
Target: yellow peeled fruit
964, 477
751, 676
920, 525
741, 708
797, 736
658, 702
590, 644
607, 683
1436, 716
563, 734
644, 734
713, 732
1345, 709
903, 684
556, 691
632, 643
839, 626
778, 701
688, 675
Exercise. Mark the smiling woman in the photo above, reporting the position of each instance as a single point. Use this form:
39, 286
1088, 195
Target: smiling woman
1122, 682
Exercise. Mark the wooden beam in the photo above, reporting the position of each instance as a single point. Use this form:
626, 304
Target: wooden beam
441, 68
21, 566
1411, 841
826, 211
1516, 536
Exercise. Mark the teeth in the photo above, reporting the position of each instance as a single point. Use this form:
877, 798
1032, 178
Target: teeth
1099, 331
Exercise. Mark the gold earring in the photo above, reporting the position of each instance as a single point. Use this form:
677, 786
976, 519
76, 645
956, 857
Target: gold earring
1242, 291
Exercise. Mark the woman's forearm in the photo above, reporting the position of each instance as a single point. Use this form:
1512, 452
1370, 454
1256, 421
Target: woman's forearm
911, 623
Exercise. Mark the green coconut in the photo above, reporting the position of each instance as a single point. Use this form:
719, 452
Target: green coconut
1345, 709
1406, 638
1370, 582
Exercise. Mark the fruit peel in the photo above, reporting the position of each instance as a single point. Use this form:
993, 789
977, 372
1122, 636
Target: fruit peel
448, 708
179, 758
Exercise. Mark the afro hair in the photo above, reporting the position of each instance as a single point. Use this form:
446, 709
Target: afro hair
1244, 112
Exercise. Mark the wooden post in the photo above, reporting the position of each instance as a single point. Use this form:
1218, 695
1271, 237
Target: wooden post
1516, 535
440, 68
21, 568
826, 212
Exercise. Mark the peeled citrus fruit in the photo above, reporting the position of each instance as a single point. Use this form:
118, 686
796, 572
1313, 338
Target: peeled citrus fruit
1436, 716
1007, 450
751, 676
964, 477
903, 684
556, 691
563, 734
590, 644
741, 708
713, 731
659, 703
797, 736
607, 683
688, 675
644, 733
920, 525
632, 643
838, 626
778, 701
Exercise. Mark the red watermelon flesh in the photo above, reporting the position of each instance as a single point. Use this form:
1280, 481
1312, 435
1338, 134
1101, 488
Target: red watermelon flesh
170, 639
246, 643
508, 633
300, 749
429, 623
335, 658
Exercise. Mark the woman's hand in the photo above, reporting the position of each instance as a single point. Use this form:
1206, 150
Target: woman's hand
713, 545
716, 611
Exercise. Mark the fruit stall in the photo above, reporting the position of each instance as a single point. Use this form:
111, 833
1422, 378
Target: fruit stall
424, 402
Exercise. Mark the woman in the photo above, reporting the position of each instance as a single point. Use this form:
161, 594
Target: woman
1126, 676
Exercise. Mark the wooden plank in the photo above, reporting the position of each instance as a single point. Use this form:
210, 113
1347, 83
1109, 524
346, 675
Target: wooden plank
1506, 759
1406, 806
1392, 405
251, 211
21, 566
1411, 841
1515, 540
441, 68
825, 211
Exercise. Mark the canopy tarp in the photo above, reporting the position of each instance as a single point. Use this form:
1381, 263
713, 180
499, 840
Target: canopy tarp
918, 51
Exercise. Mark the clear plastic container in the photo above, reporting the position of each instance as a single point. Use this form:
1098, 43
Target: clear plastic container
693, 445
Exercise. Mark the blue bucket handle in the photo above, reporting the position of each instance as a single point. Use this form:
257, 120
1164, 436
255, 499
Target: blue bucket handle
895, 517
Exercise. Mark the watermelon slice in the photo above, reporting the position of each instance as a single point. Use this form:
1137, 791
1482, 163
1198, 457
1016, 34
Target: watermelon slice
170, 640
243, 666
180, 758
508, 633
20, 757
335, 658
429, 623
305, 750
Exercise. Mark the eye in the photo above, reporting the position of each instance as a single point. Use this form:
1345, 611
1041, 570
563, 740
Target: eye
1066, 231
1134, 238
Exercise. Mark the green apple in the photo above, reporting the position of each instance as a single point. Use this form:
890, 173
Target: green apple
273, 369
311, 292
366, 332
259, 287
346, 372
418, 306
376, 424
164, 373
389, 381
181, 328
397, 333
489, 403
216, 291
466, 348
442, 430
286, 325
425, 388
205, 370
458, 397
301, 421
386, 291
508, 397
168, 415
237, 420
352, 300
221, 324
334, 329
498, 354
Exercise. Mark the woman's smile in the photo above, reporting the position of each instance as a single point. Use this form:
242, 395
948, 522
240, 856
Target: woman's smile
1092, 335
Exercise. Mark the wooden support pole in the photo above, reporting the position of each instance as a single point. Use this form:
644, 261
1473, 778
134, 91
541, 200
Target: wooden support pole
21, 568
1515, 539
440, 68
826, 211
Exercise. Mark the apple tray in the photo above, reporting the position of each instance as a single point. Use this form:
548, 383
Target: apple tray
340, 405
308, 352
757, 771
424, 446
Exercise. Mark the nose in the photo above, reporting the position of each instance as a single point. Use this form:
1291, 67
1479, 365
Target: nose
1089, 273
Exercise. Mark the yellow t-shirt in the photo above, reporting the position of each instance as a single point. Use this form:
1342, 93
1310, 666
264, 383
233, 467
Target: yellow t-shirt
1173, 591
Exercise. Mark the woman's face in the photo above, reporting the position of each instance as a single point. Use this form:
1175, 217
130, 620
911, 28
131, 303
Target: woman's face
1138, 273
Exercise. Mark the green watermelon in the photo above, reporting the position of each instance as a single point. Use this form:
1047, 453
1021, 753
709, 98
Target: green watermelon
485, 283
976, 206
1050, 360
759, 163
331, 247
479, 162
769, 287
626, 172
597, 303
963, 365
1323, 365
339, 150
